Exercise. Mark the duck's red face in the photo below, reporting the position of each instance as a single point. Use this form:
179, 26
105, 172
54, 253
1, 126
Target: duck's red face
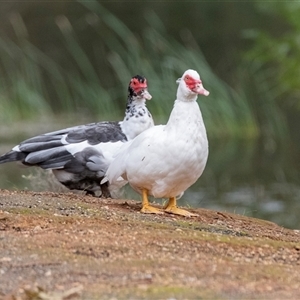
195, 85
191, 82
138, 85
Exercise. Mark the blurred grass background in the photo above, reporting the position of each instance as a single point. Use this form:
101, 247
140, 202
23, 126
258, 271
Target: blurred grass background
64, 63
70, 58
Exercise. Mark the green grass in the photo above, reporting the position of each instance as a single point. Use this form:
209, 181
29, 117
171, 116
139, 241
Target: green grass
33, 83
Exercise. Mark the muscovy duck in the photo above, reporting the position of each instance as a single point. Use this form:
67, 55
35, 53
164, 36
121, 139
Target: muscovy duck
165, 160
79, 156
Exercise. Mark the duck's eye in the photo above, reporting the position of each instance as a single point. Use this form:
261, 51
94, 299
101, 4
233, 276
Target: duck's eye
134, 82
186, 78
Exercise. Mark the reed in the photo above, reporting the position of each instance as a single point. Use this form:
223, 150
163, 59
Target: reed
33, 83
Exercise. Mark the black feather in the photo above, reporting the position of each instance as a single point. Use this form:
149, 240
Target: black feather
12, 156
96, 133
40, 157
38, 146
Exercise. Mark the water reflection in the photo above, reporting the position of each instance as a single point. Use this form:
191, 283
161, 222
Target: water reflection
251, 178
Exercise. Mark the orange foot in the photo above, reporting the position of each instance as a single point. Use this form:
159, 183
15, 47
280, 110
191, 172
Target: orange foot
147, 209
172, 208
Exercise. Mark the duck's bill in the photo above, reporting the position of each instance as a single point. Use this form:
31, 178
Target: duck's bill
199, 89
147, 95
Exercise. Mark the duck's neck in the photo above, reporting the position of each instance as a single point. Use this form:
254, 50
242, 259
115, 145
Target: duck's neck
135, 107
185, 96
184, 115
137, 118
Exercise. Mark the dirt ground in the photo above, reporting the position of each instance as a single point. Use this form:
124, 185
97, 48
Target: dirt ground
59, 246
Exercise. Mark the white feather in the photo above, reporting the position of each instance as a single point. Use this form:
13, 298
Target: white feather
167, 159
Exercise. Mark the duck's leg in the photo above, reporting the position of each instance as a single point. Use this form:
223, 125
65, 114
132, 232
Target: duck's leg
105, 190
146, 208
172, 208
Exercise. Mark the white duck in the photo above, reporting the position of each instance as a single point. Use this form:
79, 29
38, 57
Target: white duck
165, 160
79, 156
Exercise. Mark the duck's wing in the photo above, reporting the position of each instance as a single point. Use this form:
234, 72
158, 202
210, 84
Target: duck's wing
55, 149
118, 167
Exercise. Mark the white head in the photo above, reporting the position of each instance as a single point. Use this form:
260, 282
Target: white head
190, 86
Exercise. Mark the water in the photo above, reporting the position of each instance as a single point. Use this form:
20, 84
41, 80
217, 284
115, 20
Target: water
252, 179
249, 178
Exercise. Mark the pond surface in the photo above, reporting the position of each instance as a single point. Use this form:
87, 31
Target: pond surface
249, 178
252, 179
